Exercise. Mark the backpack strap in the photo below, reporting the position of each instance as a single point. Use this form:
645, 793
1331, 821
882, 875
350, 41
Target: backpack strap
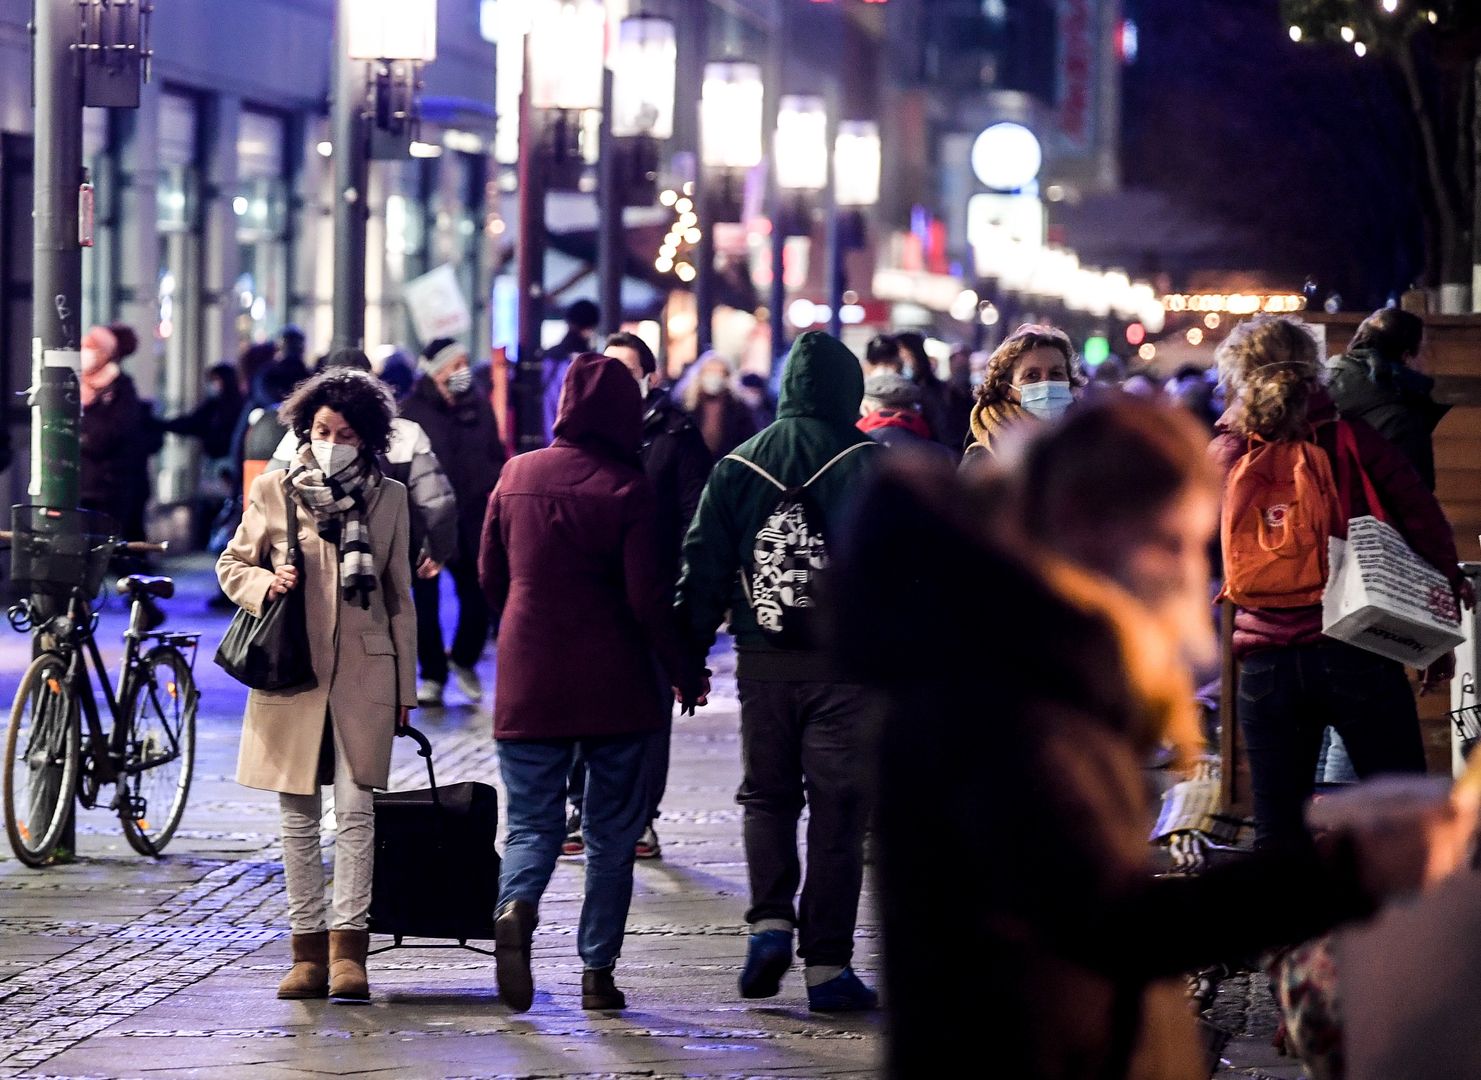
836, 458
772, 480
1350, 461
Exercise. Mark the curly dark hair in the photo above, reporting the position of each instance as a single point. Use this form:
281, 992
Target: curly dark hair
358, 396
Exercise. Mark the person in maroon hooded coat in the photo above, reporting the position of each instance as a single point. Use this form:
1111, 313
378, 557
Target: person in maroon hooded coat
570, 558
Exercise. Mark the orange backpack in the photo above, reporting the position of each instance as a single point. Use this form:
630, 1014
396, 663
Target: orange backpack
1281, 505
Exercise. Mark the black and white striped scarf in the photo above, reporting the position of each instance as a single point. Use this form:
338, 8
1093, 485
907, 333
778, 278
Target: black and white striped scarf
339, 504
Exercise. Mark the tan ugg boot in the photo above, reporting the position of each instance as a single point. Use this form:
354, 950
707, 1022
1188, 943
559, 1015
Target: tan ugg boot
309, 976
347, 978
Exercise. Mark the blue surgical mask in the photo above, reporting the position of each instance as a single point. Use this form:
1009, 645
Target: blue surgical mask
1046, 400
907, 372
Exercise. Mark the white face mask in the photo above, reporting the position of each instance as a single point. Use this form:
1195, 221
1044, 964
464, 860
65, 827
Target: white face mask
1046, 400
908, 372
712, 384
333, 457
645, 386
459, 381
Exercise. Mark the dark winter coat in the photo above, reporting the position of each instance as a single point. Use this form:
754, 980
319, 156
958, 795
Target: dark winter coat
1408, 505
119, 434
678, 463
904, 429
821, 391
465, 438
1053, 945
735, 424
212, 422
1392, 399
570, 566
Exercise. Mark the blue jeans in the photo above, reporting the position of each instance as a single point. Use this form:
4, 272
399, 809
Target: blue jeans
1287, 699
655, 767
615, 813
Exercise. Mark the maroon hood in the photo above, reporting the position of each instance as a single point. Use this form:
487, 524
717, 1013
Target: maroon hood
600, 403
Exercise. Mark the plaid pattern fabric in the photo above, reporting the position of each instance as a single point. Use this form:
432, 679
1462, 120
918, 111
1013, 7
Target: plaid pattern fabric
338, 504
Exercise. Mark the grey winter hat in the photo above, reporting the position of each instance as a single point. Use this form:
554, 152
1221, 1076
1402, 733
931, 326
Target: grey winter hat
891, 390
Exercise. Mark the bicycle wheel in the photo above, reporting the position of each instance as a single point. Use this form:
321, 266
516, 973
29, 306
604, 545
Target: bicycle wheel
41, 760
159, 750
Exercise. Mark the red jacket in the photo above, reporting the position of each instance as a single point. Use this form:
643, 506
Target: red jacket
1408, 505
570, 558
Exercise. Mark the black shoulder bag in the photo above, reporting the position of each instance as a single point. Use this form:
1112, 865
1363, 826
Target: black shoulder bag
271, 651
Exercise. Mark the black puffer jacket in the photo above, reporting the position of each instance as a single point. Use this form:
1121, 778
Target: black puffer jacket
678, 463
465, 438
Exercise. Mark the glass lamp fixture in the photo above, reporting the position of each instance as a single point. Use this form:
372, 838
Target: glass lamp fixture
730, 115
801, 143
392, 30
643, 62
856, 163
567, 48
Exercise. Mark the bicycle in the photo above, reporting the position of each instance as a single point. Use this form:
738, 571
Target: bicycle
56, 748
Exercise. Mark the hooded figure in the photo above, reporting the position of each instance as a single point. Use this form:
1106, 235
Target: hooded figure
803, 728
570, 562
1393, 399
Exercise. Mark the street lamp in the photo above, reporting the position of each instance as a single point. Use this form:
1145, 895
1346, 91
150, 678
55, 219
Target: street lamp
856, 164
563, 78
731, 104
394, 38
643, 61
800, 158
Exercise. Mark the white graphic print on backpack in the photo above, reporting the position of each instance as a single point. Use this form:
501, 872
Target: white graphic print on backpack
788, 553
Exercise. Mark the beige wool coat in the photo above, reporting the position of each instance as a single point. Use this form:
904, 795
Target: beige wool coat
364, 659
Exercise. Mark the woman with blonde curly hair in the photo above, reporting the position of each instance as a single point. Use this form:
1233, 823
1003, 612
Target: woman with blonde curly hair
1293, 682
1031, 376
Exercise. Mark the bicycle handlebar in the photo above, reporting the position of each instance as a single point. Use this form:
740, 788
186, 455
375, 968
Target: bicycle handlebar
132, 547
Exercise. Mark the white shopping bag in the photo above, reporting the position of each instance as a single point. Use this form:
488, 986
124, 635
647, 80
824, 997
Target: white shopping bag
1384, 598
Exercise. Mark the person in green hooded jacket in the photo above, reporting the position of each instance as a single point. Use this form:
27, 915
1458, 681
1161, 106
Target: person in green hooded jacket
804, 728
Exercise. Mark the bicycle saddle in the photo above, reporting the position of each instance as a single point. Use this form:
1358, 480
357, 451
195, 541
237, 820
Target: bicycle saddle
162, 587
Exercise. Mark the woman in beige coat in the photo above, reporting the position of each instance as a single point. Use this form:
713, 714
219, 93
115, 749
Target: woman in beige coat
353, 532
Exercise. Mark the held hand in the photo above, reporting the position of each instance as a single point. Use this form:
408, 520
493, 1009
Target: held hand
284, 578
428, 568
701, 698
404, 719
1442, 670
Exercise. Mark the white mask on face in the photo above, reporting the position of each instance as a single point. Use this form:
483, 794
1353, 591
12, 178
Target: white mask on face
645, 386
712, 384
333, 457
459, 381
1046, 400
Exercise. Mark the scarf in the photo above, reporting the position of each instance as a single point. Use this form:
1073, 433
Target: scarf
907, 419
338, 504
990, 420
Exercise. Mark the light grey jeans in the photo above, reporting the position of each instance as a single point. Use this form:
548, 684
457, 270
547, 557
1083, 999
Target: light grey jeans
354, 854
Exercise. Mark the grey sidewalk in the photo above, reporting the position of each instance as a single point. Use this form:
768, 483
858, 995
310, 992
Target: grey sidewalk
119, 966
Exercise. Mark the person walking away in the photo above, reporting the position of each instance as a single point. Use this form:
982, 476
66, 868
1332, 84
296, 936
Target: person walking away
570, 561
882, 356
409, 461
677, 463
807, 732
1375, 381
1293, 682
892, 416
1065, 951
119, 435
722, 418
1031, 377
353, 531
582, 319
754, 393
460, 424
949, 426
961, 393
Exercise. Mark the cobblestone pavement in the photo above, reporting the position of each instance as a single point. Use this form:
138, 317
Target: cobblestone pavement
121, 966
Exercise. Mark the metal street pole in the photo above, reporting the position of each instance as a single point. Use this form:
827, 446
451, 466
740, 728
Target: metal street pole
704, 255
351, 161
777, 293
835, 231
529, 416
56, 305
610, 200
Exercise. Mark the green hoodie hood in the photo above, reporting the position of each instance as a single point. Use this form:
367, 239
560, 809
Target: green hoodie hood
822, 380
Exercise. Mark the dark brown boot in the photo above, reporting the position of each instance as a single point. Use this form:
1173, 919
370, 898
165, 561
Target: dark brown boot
514, 929
309, 977
598, 991
347, 978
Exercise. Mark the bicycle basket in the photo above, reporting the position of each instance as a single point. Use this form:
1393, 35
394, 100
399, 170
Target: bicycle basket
1467, 719
55, 551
